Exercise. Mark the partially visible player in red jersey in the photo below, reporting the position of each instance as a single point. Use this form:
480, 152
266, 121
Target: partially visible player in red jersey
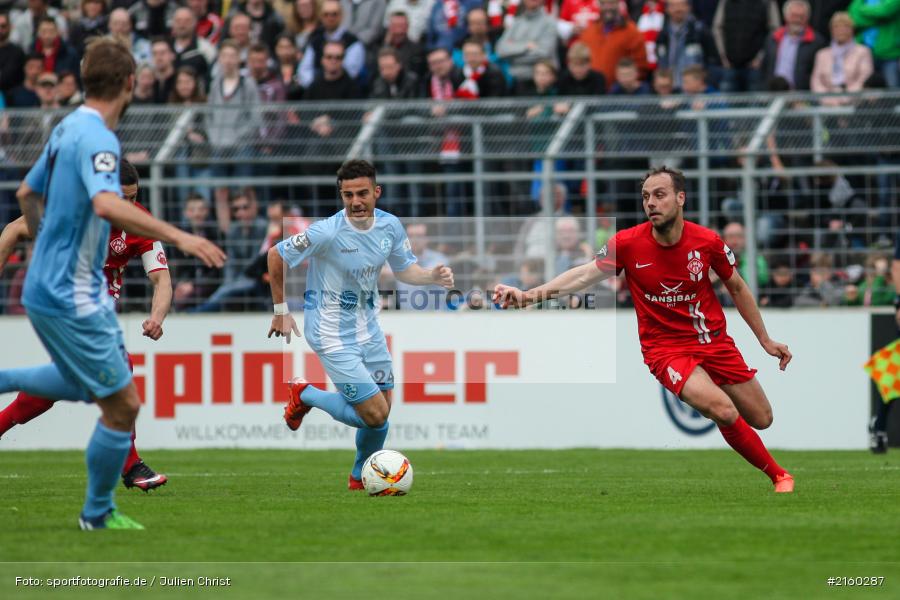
122, 248
681, 325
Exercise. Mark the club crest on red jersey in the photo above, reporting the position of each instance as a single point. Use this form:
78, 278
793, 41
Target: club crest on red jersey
695, 265
118, 245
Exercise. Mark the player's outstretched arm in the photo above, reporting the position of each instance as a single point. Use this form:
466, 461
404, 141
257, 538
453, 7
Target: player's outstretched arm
283, 323
746, 305
416, 275
31, 204
160, 305
12, 234
130, 219
573, 280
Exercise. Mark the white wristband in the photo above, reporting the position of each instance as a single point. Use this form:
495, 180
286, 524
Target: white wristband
281, 309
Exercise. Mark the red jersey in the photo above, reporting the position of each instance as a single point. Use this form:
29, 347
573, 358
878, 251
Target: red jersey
122, 248
673, 296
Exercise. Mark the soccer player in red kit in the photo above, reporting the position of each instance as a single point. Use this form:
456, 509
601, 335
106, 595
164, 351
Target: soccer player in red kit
681, 325
122, 248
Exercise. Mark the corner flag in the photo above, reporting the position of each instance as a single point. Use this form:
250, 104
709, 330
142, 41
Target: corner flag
884, 369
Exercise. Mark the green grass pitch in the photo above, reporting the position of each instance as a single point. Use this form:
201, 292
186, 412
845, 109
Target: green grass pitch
501, 524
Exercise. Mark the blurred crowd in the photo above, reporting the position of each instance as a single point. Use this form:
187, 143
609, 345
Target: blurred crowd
244, 55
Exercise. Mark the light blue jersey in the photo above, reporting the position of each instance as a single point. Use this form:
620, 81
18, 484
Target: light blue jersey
342, 302
81, 159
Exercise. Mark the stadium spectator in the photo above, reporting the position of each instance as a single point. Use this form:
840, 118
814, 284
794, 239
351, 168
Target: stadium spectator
25, 95
684, 41
842, 66
444, 77
417, 11
332, 30
430, 297
780, 294
238, 31
152, 18
242, 243
823, 289
693, 82
193, 281
479, 31
163, 69
193, 154
24, 23
529, 275
482, 79
410, 53
120, 28
190, 49
875, 289
92, 22
302, 21
543, 85
878, 24
663, 82
575, 16
740, 30
333, 82
46, 90
67, 92
446, 26
58, 55
271, 87
144, 81
628, 80
790, 51
209, 24
394, 81
579, 79
650, 23
288, 57
530, 38
611, 38
365, 20
571, 249
441, 84
265, 22
12, 60
232, 133
734, 237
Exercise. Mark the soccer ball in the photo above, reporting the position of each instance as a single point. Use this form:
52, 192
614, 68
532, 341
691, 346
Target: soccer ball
387, 473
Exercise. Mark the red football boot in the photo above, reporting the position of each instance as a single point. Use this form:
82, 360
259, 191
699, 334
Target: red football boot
296, 409
354, 484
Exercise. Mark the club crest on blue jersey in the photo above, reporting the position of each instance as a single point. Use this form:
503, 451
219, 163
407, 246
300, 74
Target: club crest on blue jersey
104, 162
300, 241
350, 390
386, 246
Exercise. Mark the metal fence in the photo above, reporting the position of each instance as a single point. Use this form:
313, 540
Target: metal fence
813, 179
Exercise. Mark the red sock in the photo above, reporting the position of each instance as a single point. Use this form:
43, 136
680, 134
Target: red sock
132, 458
23, 409
746, 442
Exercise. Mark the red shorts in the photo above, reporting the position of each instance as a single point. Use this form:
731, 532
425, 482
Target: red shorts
673, 365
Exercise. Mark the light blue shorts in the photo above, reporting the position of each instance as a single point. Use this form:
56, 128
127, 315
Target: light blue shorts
360, 371
89, 351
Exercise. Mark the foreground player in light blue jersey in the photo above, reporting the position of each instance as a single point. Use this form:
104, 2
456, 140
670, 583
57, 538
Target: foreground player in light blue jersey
346, 253
69, 198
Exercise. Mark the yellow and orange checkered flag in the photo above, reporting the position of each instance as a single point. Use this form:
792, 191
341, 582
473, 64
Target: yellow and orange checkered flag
884, 369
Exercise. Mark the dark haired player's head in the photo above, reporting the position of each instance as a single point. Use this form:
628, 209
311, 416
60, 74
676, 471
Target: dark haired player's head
129, 179
663, 193
358, 190
107, 72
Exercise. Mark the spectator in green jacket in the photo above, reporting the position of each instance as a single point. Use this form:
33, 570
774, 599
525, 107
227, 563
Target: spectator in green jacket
733, 235
878, 24
875, 289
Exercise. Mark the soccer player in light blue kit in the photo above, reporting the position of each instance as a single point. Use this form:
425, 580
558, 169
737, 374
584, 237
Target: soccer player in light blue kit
346, 253
69, 198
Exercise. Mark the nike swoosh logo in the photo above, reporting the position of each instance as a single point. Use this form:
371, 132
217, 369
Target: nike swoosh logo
640, 266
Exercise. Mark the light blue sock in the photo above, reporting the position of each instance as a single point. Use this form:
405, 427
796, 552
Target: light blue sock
334, 404
368, 442
105, 457
45, 382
